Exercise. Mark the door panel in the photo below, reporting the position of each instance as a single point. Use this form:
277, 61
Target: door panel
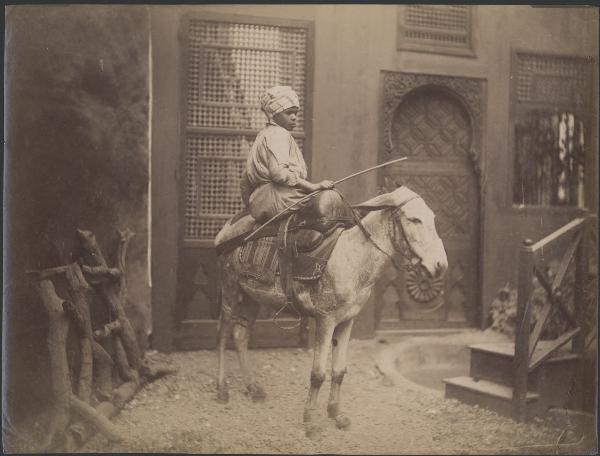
433, 129
229, 62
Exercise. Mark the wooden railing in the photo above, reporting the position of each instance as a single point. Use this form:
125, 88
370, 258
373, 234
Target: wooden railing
527, 358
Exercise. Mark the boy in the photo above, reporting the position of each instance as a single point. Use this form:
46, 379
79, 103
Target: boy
275, 174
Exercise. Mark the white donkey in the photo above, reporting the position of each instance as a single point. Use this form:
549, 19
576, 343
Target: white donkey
401, 227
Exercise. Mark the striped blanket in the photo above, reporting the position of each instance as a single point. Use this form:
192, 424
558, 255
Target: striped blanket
259, 259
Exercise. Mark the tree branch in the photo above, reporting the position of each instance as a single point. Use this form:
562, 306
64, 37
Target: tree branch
59, 368
79, 310
115, 298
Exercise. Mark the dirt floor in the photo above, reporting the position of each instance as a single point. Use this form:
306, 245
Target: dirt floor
179, 413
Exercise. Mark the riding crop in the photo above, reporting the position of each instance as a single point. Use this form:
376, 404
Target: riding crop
310, 195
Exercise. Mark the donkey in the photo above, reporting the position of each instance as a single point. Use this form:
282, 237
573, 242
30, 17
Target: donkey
399, 226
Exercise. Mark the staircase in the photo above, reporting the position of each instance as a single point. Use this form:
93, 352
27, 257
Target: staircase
525, 378
490, 383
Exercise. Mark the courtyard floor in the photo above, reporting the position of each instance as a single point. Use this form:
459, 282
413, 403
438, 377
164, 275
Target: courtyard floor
179, 413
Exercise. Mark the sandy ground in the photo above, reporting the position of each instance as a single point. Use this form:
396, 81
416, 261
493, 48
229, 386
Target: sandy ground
179, 413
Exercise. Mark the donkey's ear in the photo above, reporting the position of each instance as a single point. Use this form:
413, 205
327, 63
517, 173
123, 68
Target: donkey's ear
378, 202
391, 199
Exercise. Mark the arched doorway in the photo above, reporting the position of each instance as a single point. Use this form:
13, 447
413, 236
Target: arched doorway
432, 127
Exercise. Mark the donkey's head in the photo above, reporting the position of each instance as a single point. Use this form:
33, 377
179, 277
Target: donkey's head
417, 221
413, 222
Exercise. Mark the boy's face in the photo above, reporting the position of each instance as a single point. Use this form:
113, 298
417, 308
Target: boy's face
287, 118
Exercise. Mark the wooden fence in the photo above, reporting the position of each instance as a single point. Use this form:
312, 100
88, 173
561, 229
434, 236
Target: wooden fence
527, 358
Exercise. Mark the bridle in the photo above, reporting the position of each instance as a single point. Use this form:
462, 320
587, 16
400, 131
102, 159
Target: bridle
401, 246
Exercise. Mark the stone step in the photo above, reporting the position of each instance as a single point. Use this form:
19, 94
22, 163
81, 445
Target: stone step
494, 362
487, 394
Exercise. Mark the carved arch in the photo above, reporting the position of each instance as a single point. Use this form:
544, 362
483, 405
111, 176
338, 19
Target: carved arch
469, 92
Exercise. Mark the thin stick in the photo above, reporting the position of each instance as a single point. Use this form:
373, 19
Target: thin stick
391, 162
310, 195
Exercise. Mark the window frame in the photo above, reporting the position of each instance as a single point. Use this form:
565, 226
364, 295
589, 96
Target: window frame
517, 110
185, 130
404, 44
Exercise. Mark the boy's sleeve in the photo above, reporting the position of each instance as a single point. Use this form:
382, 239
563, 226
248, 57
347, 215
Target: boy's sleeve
278, 145
245, 188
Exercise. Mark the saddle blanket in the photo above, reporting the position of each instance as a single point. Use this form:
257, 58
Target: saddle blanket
259, 259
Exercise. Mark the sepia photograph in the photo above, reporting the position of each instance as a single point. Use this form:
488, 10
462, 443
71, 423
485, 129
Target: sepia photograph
300, 228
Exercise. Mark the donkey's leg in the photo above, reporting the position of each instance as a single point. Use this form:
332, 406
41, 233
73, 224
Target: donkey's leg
341, 340
242, 328
224, 327
229, 302
324, 332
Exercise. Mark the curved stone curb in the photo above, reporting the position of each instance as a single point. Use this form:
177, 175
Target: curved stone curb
386, 358
385, 362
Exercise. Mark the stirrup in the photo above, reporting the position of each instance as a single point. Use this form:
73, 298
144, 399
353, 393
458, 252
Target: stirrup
293, 307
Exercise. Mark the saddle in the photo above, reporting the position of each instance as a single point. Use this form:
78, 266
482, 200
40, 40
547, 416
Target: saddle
296, 246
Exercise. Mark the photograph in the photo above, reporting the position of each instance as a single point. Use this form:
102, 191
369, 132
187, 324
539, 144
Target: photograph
300, 228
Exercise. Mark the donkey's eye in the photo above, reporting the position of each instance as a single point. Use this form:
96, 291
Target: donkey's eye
414, 220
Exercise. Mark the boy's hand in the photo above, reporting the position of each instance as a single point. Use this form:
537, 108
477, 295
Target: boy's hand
309, 187
325, 185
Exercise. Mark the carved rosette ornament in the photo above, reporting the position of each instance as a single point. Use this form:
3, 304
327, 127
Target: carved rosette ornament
423, 288
470, 91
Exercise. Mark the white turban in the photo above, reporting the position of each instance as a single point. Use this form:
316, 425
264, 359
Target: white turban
277, 99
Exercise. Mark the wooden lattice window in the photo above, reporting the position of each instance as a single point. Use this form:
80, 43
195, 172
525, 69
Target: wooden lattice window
442, 29
550, 103
230, 62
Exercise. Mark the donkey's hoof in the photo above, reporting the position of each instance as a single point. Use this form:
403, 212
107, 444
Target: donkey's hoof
310, 416
333, 410
223, 395
312, 430
256, 392
342, 421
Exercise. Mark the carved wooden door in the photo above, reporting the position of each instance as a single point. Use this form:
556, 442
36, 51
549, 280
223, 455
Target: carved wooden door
433, 129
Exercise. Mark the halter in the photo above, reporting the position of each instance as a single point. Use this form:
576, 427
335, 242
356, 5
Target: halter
401, 246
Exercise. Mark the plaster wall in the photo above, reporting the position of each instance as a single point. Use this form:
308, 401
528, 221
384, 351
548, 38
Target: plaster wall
353, 44
347, 99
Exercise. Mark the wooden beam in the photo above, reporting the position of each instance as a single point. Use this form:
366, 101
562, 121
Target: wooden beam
555, 345
581, 270
571, 226
232, 132
47, 273
566, 260
539, 327
551, 296
543, 279
524, 303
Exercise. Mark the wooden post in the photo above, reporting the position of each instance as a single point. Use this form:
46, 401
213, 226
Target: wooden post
521, 360
581, 270
59, 368
126, 372
102, 369
579, 304
79, 310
